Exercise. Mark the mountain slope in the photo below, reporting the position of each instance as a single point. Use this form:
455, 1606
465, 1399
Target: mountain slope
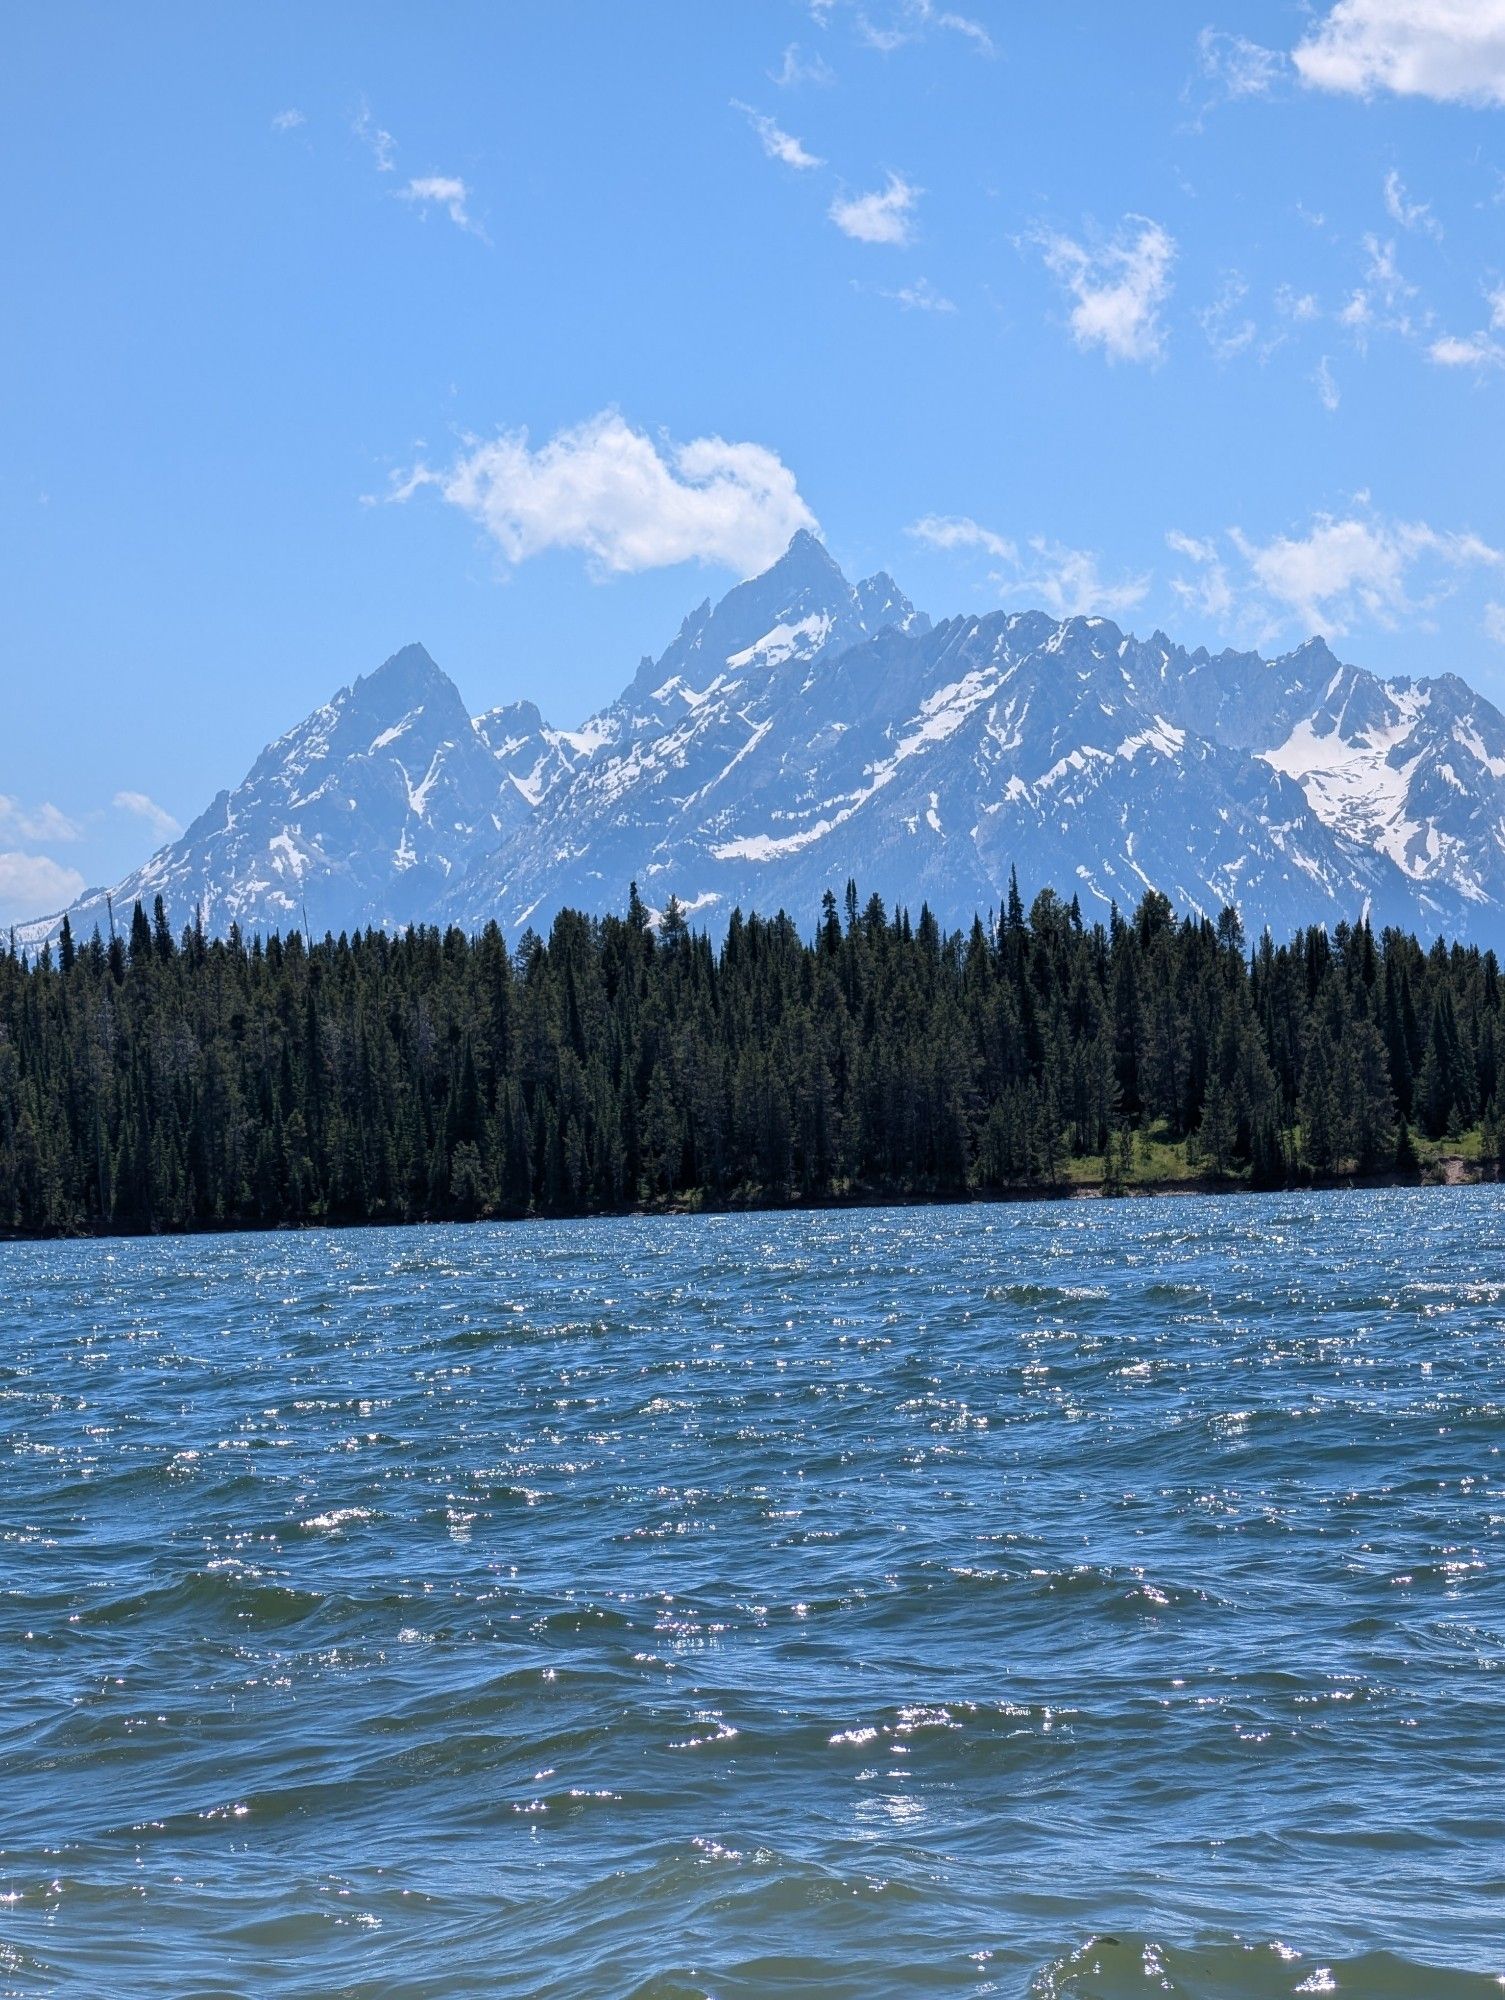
926, 763
363, 814
806, 730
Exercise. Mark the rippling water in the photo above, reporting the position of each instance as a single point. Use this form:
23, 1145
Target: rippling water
1072, 1600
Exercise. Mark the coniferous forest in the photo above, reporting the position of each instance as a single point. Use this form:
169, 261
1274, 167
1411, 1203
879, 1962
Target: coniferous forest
159, 1082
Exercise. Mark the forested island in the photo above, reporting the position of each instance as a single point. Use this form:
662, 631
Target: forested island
155, 1081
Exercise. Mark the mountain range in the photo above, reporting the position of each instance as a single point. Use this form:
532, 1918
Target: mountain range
806, 730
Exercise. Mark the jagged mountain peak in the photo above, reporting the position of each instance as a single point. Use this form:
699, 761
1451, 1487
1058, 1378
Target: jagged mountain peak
409, 676
802, 729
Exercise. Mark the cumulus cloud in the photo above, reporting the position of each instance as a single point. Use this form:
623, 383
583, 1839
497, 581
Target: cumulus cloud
1474, 350
34, 885
158, 818
1450, 50
443, 191
1118, 287
777, 143
1068, 582
43, 822
1340, 572
625, 500
884, 216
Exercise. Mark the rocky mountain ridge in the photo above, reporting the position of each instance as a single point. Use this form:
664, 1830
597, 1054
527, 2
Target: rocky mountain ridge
804, 730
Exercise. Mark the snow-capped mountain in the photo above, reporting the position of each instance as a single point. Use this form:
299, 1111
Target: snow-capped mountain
805, 730
363, 814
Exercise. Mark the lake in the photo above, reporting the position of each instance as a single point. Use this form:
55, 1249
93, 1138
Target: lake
1067, 1599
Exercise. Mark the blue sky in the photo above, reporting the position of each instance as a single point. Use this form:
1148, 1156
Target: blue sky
519, 328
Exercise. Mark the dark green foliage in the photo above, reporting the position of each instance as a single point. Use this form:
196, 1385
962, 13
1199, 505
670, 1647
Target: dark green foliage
161, 1083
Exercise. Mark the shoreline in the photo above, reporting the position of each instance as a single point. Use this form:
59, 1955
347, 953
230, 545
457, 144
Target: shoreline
1445, 1171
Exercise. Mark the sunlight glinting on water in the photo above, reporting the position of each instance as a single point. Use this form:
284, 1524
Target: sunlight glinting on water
1064, 1600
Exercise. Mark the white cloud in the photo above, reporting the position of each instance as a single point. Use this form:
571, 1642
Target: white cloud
961, 24
1118, 288
443, 191
1297, 306
43, 822
1068, 582
1236, 67
1327, 386
627, 502
1342, 571
383, 145
960, 531
797, 68
1475, 350
1208, 591
921, 296
1381, 302
1065, 581
1409, 214
910, 21
1451, 50
1494, 622
1229, 330
288, 121
777, 143
34, 885
885, 216
158, 818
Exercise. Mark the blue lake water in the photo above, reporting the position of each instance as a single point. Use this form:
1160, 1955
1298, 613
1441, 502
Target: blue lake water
1081, 1599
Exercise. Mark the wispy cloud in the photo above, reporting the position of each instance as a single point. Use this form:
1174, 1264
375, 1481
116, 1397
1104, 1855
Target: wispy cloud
883, 216
1327, 386
447, 192
627, 501
158, 818
1298, 307
798, 68
921, 296
43, 822
1232, 67
1118, 287
1065, 581
1409, 214
34, 885
288, 121
383, 146
1382, 302
777, 143
1450, 50
1482, 350
1229, 329
909, 21
1342, 571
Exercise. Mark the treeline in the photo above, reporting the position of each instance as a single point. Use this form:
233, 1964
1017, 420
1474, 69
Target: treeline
162, 1082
